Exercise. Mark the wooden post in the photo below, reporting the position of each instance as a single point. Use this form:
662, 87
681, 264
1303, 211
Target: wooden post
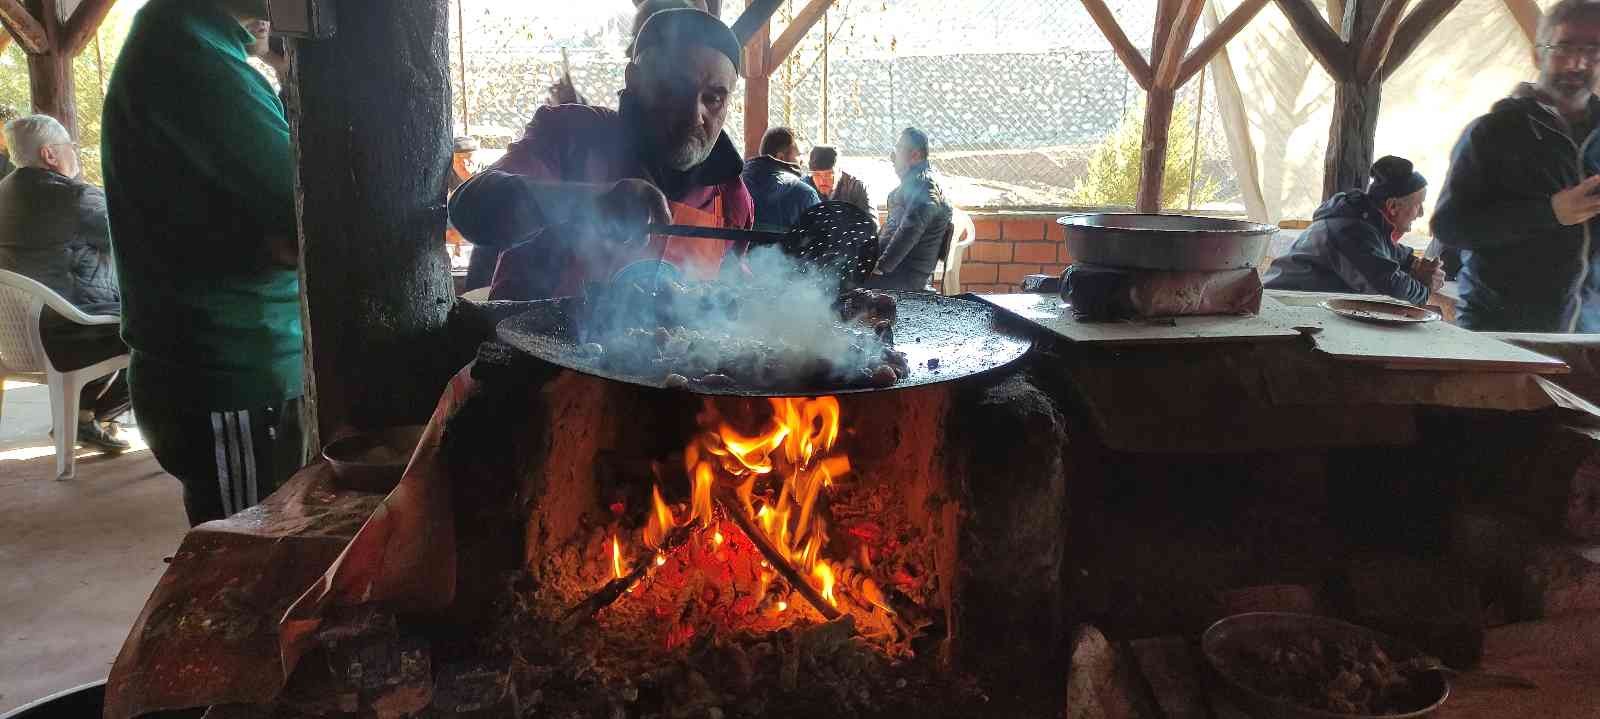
372, 149
757, 90
1353, 135
24, 26
50, 73
1175, 22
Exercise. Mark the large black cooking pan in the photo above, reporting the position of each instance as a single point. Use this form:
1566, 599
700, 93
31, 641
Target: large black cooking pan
944, 339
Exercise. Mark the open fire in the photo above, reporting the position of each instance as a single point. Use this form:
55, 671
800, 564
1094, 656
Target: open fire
754, 535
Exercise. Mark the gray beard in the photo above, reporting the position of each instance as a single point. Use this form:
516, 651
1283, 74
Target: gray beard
685, 156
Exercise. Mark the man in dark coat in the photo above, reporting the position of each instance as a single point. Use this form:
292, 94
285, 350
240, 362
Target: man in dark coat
1353, 244
53, 229
1516, 201
776, 186
918, 222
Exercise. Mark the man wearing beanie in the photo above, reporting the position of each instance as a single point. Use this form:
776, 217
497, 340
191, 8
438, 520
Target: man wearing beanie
1353, 243
568, 202
1516, 202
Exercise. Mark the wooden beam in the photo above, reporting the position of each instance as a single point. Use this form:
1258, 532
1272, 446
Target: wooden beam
1153, 149
1177, 43
757, 89
1413, 30
1375, 46
24, 27
796, 31
5, 39
755, 16
1120, 44
1527, 15
1352, 136
1320, 40
85, 22
1219, 38
1335, 12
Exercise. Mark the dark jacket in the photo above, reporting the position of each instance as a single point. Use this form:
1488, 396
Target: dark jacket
53, 229
5, 164
1521, 270
779, 191
1348, 248
918, 219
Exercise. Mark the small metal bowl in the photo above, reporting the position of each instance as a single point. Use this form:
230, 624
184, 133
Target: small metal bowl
1224, 639
372, 461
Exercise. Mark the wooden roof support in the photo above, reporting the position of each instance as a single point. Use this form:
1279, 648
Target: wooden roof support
1374, 48
1414, 29
1177, 43
1527, 15
755, 16
27, 29
1219, 37
796, 31
1320, 40
85, 22
1129, 55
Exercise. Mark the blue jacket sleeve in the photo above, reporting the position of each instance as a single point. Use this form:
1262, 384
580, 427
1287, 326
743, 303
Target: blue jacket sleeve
1371, 264
1474, 211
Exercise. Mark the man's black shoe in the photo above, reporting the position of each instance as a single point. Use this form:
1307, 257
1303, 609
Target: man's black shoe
90, 434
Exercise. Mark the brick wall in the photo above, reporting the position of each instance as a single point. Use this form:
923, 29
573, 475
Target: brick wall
1011, 245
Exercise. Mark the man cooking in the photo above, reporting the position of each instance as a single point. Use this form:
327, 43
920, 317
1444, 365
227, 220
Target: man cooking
1516, 202
568, 202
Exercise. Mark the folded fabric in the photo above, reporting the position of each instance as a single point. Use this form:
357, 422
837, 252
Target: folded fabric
1101, 293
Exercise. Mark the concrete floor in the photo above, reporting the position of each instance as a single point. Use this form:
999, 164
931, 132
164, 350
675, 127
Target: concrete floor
77, 558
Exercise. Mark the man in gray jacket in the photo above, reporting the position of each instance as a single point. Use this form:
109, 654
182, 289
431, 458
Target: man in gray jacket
53, 230
918, 223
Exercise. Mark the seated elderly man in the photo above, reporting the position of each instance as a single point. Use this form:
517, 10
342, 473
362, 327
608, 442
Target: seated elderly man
1353, 243
568, 202
775, 183
53, 229
918, 222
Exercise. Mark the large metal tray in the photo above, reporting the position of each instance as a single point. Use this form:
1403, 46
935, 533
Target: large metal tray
1166, 242
965, 337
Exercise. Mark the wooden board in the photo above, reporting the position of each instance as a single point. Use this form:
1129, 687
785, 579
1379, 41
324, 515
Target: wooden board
1049, 313
1429, 346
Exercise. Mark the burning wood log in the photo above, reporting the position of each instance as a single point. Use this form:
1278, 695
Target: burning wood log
732, 507
615, 588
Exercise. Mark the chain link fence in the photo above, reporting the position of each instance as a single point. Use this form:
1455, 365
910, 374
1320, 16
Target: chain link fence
1024, 100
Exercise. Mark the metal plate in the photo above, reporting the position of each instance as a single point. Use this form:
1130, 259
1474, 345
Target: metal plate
1379, 311
1166, 242
966, 338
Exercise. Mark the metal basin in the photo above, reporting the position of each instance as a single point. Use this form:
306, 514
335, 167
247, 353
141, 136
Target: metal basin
1166, 242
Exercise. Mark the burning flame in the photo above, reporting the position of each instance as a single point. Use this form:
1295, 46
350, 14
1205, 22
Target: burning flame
616, 558
824, 575
660, 522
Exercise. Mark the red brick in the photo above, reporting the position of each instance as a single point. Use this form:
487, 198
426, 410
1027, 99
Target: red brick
1013, 273
978, 272
989, 252
1063, 255
1052, 269
1024, 230
1034, 252
986, 229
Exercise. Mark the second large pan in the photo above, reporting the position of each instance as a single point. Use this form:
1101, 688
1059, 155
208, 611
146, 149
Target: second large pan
944, 339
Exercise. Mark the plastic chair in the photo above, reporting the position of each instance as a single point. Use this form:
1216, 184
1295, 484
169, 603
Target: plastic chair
963, 235
22, 300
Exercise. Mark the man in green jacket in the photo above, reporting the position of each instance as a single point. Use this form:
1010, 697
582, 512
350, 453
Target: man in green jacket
199, 181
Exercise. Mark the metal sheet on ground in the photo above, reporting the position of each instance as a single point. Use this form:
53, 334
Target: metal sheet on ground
944, 339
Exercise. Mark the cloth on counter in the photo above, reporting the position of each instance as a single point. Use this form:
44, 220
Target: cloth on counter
1101, 293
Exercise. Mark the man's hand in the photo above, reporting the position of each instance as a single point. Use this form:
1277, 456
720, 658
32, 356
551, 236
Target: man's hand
620, 213
1577, 204
562, 92
1428, 272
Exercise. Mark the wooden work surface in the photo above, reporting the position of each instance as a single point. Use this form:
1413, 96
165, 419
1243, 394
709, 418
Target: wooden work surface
1561, 656
1049, 313
1426, 346
1289, 315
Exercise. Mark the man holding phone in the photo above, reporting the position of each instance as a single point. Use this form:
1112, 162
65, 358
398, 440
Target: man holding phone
1520, 201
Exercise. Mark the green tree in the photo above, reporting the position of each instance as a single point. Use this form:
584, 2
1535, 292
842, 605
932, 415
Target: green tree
1112, 177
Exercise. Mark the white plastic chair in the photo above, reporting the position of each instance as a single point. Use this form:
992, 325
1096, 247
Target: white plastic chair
963, 236
22, 353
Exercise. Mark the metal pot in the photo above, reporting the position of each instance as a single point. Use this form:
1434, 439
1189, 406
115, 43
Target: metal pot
1166, 242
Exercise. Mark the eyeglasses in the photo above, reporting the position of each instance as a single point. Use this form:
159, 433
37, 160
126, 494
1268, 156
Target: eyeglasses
1591, 52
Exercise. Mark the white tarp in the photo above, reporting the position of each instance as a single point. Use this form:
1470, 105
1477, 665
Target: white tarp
1276, 101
